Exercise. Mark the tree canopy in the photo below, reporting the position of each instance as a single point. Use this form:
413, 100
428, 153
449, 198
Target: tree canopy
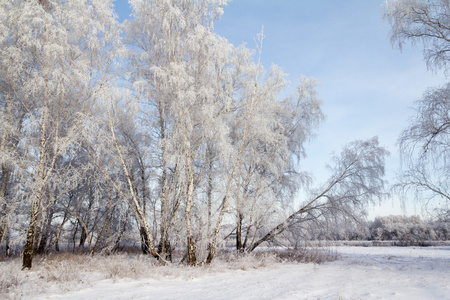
157, 131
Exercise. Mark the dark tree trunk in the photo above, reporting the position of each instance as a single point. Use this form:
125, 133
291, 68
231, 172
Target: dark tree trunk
74, 237
239, 246
42, 244
29, 243
165, 250
104, 227
121, 233
46, 231
37, 230
145, 246
83, 237
65, 219
247, 234
7, 248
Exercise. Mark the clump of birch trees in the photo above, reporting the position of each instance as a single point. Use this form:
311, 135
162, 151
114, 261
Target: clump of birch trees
157, 132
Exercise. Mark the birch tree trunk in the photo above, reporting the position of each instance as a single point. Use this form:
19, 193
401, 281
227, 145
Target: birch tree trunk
240, 152
135, 204
164, 248
8, 143
6, 172
209, 198
46, 230
37, 197
189, 198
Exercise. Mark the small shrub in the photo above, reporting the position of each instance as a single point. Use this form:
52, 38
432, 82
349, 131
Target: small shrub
124, 266
9, 282
68, 270
308, 255
246, 261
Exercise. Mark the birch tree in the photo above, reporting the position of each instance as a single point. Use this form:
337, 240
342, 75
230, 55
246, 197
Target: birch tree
355, 181
176, 67
424, 143
425, 146
422, 21
172, 135
12, 115
272, 175
51, 44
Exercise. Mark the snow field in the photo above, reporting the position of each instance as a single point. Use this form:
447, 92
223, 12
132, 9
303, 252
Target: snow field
359, 273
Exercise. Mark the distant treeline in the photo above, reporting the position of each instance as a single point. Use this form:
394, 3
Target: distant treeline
387, 228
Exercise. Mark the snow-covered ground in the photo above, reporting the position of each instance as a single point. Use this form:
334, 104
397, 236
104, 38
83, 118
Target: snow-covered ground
359, 273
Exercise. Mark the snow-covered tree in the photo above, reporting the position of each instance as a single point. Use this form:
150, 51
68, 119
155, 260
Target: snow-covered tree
158, 131
51, 49
422, 21
178, 68
357, 179
425, 142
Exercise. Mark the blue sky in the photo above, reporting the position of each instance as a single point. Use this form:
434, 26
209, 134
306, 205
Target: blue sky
368, 87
